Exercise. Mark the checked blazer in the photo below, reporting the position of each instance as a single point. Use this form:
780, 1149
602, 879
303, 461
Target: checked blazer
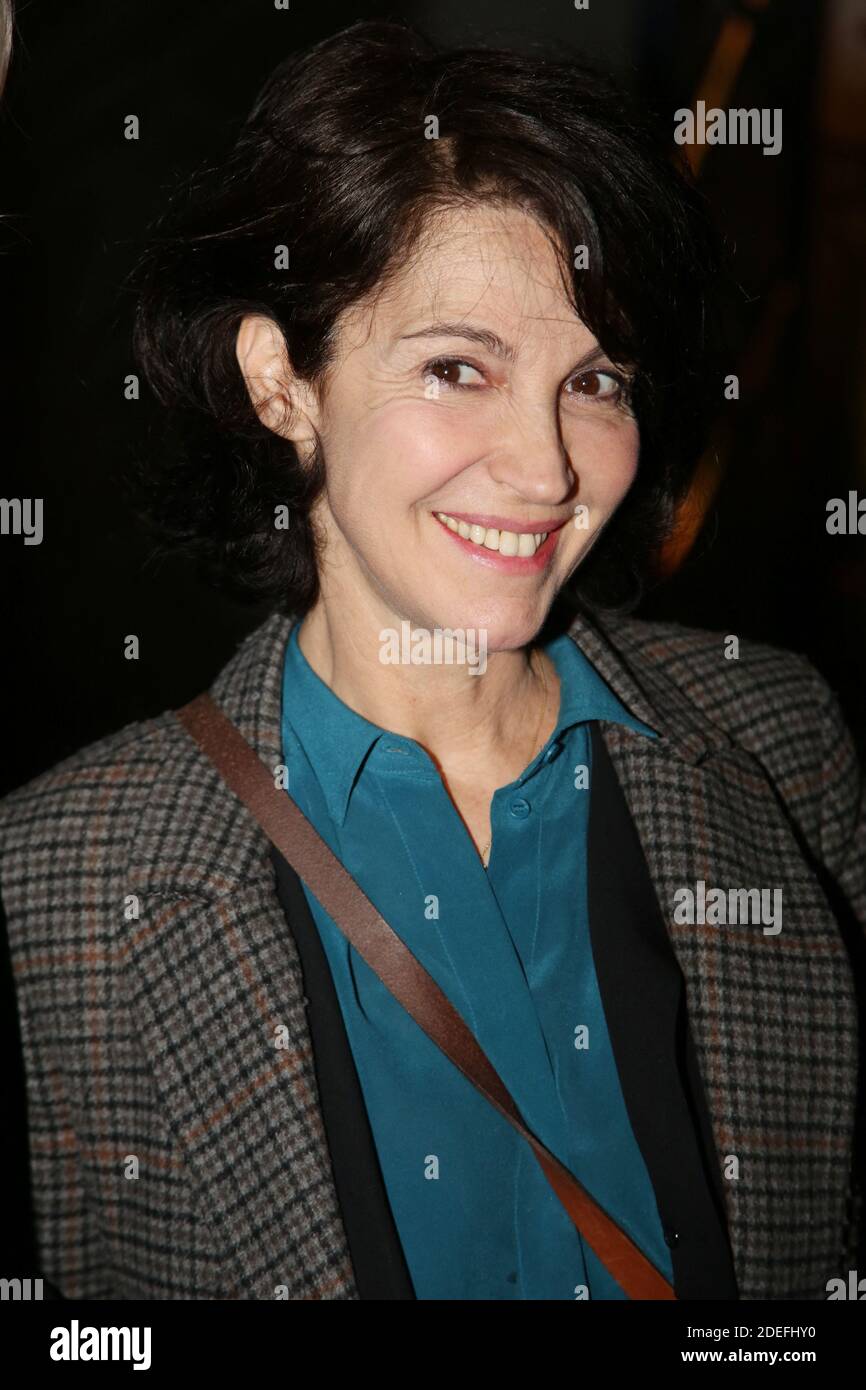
154, 972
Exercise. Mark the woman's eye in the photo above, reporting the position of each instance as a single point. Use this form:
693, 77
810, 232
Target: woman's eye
450, 371
598, 385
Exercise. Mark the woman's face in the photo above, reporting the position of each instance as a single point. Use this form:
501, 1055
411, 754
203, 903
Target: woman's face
472, 391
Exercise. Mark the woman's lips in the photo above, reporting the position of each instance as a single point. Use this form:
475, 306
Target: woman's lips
508, 564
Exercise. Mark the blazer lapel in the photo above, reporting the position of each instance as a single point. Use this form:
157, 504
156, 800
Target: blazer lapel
773, 1015
215, 989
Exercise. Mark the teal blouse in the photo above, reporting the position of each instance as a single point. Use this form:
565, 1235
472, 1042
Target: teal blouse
510, 948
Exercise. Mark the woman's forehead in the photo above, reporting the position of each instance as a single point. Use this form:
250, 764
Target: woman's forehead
493, 270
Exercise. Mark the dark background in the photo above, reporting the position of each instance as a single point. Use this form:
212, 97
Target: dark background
753, 556
76, 198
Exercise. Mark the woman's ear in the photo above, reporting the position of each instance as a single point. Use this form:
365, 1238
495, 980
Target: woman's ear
283, 402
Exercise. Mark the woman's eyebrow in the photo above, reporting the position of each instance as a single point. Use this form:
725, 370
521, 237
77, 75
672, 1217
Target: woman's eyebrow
484, 336
490, 340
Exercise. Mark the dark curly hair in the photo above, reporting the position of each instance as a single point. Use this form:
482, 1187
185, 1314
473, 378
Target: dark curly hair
333, 164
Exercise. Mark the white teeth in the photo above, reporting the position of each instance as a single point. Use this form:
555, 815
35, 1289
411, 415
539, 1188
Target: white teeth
527, 544
521, 543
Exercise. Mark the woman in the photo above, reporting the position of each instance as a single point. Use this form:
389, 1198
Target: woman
435, 341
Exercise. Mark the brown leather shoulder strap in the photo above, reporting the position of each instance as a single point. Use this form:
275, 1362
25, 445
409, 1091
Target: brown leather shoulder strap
297, 840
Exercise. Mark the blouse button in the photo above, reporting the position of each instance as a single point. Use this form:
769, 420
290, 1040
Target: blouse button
520, 808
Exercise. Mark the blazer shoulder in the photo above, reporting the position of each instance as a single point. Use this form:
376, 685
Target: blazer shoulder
757, 692
117, 756
775, 704
76, 821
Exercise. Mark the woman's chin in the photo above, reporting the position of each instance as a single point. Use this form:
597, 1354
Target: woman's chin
499, 632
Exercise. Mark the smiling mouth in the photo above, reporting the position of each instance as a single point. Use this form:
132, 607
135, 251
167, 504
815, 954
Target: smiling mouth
522, 544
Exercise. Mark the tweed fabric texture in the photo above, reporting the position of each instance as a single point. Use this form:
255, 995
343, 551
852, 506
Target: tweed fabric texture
161, 999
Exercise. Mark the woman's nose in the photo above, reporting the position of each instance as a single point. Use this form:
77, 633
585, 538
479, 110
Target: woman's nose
530, 456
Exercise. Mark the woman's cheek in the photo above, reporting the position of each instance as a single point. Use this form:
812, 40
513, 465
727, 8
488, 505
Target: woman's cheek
605, 460
418, 446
